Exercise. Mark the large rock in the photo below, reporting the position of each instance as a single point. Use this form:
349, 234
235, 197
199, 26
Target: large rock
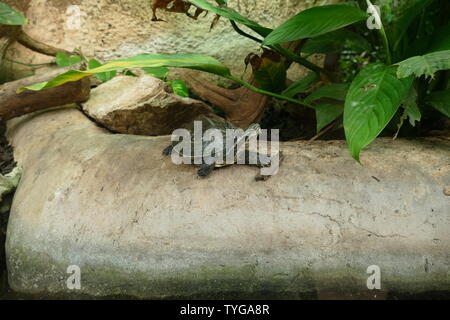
138, 225
117, 29
141, 105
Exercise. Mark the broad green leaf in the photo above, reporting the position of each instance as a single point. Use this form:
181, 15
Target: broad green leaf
301, 85
372, 100
440, 101
63, 60
160, 73
424, 65
314, 22
191, 61
180, 88
103, 77
336, 41
326, 113
231, 14
270, 72
11, 17
336, 91
412, 110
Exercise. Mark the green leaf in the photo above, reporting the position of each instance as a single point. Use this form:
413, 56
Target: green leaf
11, 17
314, 22
372, 100
412, 111
180, 88
336, 91
191, 61
424, 65
440, 100
301, 85
103, 77
160, 73
63, 60
336, 41
232, 15
326, 113
130, 73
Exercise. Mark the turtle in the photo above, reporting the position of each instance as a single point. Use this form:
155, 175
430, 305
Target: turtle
207, 164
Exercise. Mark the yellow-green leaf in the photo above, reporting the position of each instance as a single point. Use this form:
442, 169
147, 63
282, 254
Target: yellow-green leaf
191, 61
180, 88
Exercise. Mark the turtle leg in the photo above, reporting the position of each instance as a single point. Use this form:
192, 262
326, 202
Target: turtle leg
167, 151
205, 169
262, 160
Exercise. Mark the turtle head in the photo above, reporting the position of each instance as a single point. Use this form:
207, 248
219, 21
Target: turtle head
253, 129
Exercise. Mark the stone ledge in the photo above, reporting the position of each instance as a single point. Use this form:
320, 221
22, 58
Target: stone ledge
139, 226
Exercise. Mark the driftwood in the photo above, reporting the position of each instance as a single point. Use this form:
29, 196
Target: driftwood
241, 106
16, 33
13, 104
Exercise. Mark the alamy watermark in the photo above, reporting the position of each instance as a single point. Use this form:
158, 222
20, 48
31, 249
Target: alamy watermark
225, 147
374, 281
374, 21
74, 280
73, 13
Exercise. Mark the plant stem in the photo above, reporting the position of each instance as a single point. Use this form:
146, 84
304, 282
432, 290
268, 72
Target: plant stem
296, 58
275, 95
386, 45
28, 64
243, 33
284, 52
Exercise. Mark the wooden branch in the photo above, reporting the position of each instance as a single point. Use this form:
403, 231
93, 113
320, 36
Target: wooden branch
241, 106
13, 104
25, 40
16, 33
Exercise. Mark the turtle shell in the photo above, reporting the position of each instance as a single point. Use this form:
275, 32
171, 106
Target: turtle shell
206, 123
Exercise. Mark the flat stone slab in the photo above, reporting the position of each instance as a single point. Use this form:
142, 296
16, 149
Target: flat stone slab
138, 225
142, 106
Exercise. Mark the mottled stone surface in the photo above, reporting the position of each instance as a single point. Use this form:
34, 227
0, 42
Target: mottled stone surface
138, 225
116, 29
141, 105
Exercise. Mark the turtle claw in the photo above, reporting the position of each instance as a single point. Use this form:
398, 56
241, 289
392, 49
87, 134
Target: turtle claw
264, 161
167, 151
205, 170
261, 177
155, 19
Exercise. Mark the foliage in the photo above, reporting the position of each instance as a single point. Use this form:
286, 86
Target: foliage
9, 16
388, 69
372, 100
104, 76
63, 60
315, 22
